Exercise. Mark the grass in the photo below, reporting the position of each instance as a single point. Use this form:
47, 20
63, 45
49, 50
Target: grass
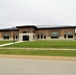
39, 52
4, 42
46, 44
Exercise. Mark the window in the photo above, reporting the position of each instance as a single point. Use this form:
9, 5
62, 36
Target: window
38, 36
41, 36
16, 36
24, 31
64, 34
33, 31
70, 34
44, 35
6, 36
54, 35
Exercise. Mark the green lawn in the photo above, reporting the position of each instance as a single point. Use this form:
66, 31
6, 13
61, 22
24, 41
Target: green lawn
4, 42
39, 52
46, 44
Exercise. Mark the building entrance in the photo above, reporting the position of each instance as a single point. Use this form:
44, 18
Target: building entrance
26, 38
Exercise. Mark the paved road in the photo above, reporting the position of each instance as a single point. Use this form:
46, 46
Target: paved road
14, 66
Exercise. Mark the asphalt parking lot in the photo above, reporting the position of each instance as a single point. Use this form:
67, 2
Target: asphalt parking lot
16, 66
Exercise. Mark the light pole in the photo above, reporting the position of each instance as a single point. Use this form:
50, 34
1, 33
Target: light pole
14, 35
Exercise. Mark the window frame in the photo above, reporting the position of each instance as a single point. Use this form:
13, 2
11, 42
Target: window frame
54, 34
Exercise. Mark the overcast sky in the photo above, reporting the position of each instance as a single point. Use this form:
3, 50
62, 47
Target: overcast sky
43, 12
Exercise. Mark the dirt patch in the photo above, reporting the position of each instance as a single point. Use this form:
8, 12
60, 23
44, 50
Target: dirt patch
39, 57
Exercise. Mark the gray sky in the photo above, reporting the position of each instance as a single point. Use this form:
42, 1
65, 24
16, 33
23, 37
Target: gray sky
43, 12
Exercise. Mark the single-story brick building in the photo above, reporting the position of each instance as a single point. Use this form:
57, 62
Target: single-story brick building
33, 32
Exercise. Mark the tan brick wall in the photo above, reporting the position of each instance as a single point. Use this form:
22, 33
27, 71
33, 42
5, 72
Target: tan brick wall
26, 29
43, 31
67, 30
60, 31
8, 32
0, 34
15, 33
48, 31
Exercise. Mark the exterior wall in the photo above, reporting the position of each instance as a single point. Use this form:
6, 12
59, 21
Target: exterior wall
60, 31
29, 34
42, 31
0, 34
26, 29
48, 33
68, 30
33, 33
75, 36
10, 33
6, 39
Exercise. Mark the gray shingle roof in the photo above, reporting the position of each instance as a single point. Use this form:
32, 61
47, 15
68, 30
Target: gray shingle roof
46, 26
8, 29
53, 26
39, 27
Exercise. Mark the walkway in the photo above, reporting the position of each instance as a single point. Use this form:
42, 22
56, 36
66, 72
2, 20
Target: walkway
38, 48
9, 43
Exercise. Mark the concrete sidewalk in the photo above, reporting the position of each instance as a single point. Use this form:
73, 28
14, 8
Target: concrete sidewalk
9, 43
